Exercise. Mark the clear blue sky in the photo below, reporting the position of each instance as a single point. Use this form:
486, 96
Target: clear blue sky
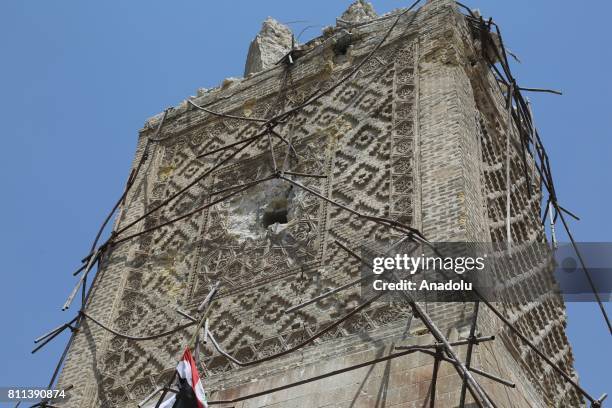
78, 79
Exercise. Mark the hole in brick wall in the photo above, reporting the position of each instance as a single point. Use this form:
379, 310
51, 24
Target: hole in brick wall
342, 43
276, 212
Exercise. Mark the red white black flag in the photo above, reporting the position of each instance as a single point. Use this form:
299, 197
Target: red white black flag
191, 391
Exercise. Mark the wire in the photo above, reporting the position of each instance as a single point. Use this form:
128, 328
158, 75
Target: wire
225, 115
137, 338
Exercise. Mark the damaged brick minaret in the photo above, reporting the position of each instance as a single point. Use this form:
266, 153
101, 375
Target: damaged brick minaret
416, 134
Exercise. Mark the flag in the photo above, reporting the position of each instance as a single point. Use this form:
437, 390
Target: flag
191, 391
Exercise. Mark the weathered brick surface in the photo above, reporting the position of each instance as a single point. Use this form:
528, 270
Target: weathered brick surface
416, 135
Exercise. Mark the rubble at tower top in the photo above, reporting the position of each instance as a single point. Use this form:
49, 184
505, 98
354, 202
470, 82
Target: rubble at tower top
359, 12
270, 45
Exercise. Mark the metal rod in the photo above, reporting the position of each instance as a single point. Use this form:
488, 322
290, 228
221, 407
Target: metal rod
194, 320
149, 397
196, 344
54, 333
521, 123
209, 297
235, 186
434, 377
184, 314
165, 390
468, 358
533, 139
546, 209
225, 115
508, 184
81, 269
83, 291
291, 173
49, 338
205, 339
49, 333
493, 377
574, 216
288, 142
552, 91
477, 340
81, 281
229, 146
472, 369
289, 149
326, 294
553, 235
205, 308
272, 153
135, 338
598, 403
